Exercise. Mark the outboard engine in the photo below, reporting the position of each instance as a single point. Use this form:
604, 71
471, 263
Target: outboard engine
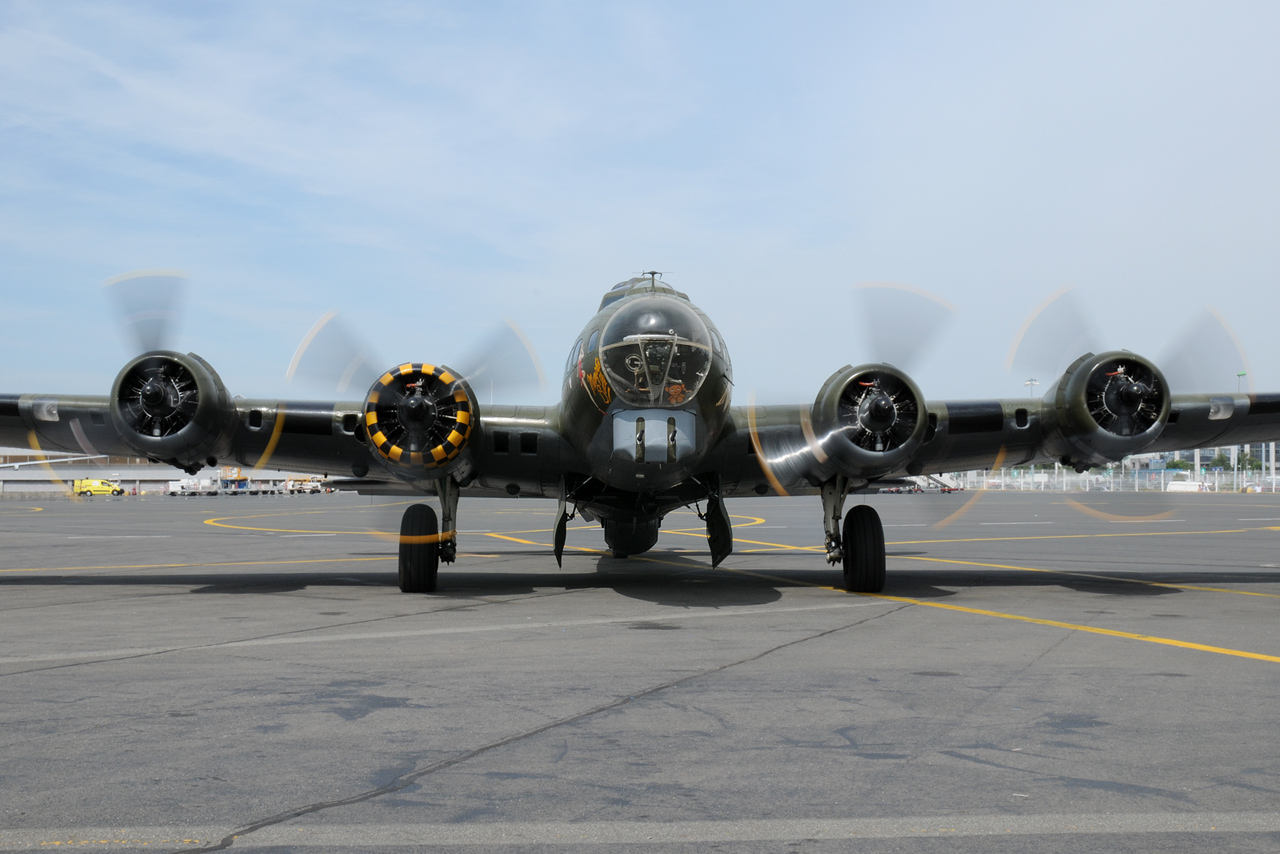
173, 408
1103, 408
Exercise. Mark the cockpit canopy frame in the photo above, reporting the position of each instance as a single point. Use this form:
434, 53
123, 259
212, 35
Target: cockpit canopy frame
656, 351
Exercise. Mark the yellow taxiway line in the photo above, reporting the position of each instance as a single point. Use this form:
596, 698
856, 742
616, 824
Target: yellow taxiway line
1220, 650
1060, 624
1078, 627
222, 522
191, 565
1092, 575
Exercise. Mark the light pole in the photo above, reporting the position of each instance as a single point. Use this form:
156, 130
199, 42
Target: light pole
1239, 379
1031, 386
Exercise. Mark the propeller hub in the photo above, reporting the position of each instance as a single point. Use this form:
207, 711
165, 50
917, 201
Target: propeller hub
878, 412
417, 411
153, 394
1134, 393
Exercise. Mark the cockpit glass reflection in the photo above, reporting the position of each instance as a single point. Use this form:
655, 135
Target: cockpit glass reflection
656, 351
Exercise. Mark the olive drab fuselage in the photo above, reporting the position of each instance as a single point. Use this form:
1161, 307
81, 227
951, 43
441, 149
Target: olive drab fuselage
646, 389
644, 428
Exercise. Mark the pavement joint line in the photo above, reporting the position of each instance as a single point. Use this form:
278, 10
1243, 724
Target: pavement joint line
408, 779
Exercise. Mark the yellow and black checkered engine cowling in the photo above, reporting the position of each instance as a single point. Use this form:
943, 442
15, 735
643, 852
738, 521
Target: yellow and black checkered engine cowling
419, 416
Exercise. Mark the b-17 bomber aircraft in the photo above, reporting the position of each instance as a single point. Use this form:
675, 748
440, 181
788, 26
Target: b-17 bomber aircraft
645, 425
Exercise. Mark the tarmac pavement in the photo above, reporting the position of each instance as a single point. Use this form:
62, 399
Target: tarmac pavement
1050, 671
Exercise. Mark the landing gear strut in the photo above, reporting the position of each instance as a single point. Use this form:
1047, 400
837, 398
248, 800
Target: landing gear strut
448, 490
858, 544
833, 494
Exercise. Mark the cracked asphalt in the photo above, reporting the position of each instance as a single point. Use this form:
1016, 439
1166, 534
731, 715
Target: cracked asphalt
243, 674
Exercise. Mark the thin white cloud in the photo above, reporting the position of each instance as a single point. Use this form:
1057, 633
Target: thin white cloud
524, 157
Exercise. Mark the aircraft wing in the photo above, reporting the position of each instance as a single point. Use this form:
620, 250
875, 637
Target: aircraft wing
781, 447
515, 450
867, 425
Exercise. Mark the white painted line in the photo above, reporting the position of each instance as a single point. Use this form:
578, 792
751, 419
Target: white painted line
909, 525
1015, 523
283, 536
1134, 521
121, 537
1258, 520
302, 836
301, 635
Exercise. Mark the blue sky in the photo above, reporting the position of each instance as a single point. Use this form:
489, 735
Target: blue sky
428, 169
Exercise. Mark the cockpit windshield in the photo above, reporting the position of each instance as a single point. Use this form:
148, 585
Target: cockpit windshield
656, 351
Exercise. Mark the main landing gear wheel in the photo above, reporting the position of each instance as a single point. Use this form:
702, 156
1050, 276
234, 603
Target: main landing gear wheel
419, 549
863, 537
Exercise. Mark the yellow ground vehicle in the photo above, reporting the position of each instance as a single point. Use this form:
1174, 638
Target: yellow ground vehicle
96, 487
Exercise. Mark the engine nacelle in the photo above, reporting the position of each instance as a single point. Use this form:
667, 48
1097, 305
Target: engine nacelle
1104, 407
869, 420
172, 407
419, 418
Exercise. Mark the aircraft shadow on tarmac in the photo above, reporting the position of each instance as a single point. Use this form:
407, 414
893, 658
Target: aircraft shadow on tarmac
675, 579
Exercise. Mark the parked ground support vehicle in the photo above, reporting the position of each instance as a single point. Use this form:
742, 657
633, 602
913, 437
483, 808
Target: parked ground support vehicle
309, 485
194, 486
96, 487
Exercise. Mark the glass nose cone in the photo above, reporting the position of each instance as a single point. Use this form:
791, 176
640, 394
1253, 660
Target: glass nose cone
656, 351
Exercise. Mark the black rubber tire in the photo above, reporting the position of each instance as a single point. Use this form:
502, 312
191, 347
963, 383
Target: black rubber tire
863, 540
419, 562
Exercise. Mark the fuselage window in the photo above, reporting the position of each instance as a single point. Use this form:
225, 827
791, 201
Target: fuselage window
573, 356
